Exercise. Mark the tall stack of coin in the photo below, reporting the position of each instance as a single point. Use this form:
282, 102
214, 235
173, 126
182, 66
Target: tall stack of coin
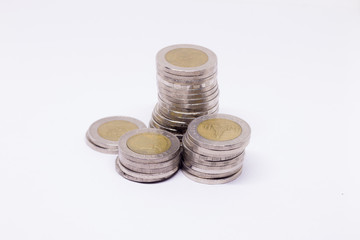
214, 148
148, 155
187, 87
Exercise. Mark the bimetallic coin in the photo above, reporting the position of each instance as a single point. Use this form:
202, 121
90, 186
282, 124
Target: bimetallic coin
144, 169
106, 132
135, 178
186, 60
214, 180
149, 145
223, 174
219, 132
226, 170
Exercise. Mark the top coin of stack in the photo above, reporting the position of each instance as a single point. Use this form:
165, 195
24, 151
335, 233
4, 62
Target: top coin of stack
187, 87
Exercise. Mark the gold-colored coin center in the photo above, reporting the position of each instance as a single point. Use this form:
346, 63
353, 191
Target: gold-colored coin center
186, 57
148, 143
219, 129
113, 130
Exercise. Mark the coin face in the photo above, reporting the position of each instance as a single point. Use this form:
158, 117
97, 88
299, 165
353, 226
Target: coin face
148, 143
186, 57
219, 129
113, 130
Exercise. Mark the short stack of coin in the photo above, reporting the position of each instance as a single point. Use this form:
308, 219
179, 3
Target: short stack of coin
148, 155
187, 87
214, 148
104, 134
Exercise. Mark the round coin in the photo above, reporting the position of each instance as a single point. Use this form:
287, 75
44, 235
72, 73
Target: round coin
105, 133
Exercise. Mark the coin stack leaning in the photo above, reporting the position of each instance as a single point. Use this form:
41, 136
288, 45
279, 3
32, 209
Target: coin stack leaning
148, 155
187, 87
214, 148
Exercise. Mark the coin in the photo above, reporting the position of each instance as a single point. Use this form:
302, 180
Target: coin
214, 180
149, 145
186, 60
103, 135
219, 132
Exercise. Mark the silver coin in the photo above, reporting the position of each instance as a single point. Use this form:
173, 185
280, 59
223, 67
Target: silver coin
173, 130
192, 89
210, 161
145, 168
219, 132
149, 145
136, 179
209, 152
173, 99
133, 163
106, 132
207, 175
212, 181
198, 107
146, 176
188, 96
185, 81
209, 103
212, 170
186, 60
183, 115
160, 118
189, 85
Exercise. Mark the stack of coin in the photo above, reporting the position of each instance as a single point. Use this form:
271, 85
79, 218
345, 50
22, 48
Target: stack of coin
187, 87
214, 148
148, 155
103, 135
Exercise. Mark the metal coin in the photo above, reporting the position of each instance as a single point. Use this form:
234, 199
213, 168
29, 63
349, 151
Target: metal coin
100, 149
149, 145
212, 181
145, 168
219, 132
137, 179
212, 170
146, 176
186, 60
105, 133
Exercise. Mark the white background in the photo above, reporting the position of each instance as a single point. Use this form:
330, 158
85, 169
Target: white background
289, 68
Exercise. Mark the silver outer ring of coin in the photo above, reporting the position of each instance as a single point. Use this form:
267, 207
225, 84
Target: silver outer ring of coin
239, 142
146, 161
147, 170
190, 84
179, 90
162, 157
132, 162
175, 100
210, 152
186, 81
210, 161
184, 116
160, 118
212, 181
189, 107
213, 100
204, 70
188, 96
178, 135
207, 175
134, 179
174, 131
100, 149
194, 87
146, 176
212, 170
95, 138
